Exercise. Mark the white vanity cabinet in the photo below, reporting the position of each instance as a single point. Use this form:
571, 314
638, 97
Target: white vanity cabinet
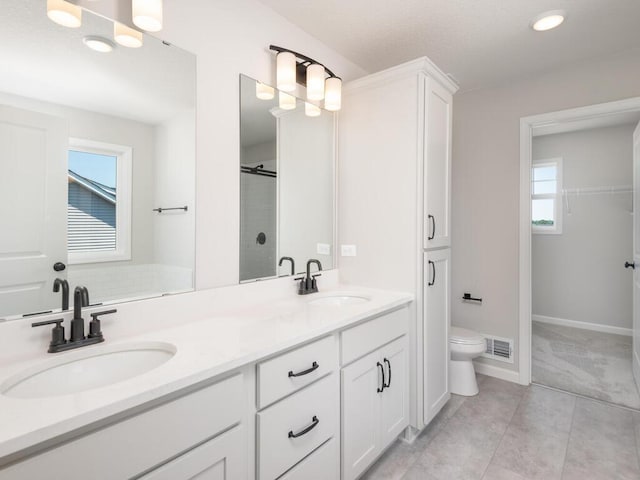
375, 390
395, 144
200, 434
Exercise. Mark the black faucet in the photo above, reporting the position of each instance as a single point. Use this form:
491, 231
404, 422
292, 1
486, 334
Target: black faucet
293, 264
308, 284
77, 338
57, 283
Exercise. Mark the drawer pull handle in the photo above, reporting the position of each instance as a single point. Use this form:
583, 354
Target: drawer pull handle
314, 366
389, 366
314, 423
381, 389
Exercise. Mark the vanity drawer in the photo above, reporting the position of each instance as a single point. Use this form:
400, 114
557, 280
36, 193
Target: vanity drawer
366, 337
323, 464
287, 373
143, 441
277, 450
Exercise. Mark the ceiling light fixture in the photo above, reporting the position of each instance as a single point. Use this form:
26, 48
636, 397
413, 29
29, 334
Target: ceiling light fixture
127, 36
147, 14
99, 44
64, 13
293, 67
548, 20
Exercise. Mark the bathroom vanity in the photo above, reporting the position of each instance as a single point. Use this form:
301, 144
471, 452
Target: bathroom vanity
281, 388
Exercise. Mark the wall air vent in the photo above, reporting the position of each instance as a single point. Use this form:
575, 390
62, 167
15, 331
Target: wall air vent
499, 349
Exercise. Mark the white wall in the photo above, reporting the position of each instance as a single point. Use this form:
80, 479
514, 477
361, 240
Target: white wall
229, 38
579, 274
486, 160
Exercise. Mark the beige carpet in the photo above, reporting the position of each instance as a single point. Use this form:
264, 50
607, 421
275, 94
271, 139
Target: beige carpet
593, 364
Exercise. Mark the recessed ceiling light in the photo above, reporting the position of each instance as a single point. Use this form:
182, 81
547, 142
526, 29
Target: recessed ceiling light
99, 44
548, 20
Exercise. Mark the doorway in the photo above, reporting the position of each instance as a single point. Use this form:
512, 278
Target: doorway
577, 220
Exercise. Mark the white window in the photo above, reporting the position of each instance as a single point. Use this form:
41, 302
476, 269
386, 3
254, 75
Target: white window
99, 202
546, 196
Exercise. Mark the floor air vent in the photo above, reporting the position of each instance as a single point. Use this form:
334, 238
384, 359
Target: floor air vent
499, 349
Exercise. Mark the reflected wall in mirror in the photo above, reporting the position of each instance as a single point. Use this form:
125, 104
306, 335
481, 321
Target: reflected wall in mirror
90, 144
287, 183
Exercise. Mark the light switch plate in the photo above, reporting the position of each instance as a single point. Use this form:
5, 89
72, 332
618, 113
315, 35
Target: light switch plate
323, 249
348, 250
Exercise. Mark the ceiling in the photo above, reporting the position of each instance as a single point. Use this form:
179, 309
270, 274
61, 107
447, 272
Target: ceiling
479, 42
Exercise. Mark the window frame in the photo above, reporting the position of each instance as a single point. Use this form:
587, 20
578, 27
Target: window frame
124, 168
556, 229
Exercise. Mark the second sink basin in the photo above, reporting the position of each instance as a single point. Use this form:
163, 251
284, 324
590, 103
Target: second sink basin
81, 371
339, 300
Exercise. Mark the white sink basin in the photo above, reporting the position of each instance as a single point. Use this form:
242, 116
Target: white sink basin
339, 300
80, 371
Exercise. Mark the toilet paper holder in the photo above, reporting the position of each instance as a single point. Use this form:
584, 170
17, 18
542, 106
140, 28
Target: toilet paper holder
468, 297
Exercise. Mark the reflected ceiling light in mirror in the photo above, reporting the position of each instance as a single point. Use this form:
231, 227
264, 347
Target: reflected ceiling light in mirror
264, 92
64, 13
286, 101
311, 110
127, 36
99, 44
333, 94
315, 82
548, 20
286, 71
321, 83
147, 14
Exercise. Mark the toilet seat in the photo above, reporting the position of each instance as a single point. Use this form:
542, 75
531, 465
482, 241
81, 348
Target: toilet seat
463, 336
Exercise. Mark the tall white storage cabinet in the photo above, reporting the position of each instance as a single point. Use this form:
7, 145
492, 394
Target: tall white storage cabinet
394, 199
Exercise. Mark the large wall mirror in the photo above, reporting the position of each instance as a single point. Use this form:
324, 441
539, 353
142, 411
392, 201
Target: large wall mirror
92, 145
287, 183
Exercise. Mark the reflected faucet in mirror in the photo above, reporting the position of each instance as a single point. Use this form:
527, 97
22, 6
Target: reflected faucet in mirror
292, 261
57, 283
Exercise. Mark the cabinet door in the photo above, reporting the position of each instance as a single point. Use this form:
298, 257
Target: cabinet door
223, 458
437, 165
394, 401
360, 415
436, 318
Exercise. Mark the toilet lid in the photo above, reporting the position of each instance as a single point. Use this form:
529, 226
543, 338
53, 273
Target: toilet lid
465, 337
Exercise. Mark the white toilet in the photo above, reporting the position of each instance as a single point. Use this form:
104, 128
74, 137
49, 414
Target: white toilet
465, 345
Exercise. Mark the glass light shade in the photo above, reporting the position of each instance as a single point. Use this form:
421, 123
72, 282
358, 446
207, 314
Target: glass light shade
333, 94
98, 44
548, 20
64, 13
286, 71
147, 14
311, 110
286, 101
315, 82
264, 92
126, 36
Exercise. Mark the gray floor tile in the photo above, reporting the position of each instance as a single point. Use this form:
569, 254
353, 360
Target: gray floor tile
394, 463
636, 422
601, 444
543, 407
498, 473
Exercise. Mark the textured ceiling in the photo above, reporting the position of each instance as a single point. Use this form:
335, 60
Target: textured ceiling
480, 42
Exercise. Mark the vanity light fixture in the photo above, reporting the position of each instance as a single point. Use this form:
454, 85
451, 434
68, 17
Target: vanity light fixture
264, 92
64, 13
548, 20
293, 67
286, 101
311, 110
99, 44
147, 14
127, 36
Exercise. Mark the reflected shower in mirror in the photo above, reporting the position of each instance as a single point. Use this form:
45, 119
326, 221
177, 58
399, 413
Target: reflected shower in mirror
90, 144
286, 183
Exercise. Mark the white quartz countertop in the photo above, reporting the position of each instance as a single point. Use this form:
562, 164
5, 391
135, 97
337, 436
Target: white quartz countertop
205, 349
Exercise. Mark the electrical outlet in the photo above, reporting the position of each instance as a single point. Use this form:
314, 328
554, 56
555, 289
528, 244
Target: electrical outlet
348, 250
323, 249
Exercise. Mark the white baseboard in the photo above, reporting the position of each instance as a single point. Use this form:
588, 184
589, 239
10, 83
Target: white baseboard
497, 372
596, 327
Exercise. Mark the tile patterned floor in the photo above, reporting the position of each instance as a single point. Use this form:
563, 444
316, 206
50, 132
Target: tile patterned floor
511, 432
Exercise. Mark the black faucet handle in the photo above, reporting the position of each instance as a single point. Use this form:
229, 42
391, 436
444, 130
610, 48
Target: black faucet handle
95, 330
316, 275
57, 332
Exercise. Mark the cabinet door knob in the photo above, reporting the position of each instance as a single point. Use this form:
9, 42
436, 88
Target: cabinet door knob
630, 265
388, 384
384, 384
